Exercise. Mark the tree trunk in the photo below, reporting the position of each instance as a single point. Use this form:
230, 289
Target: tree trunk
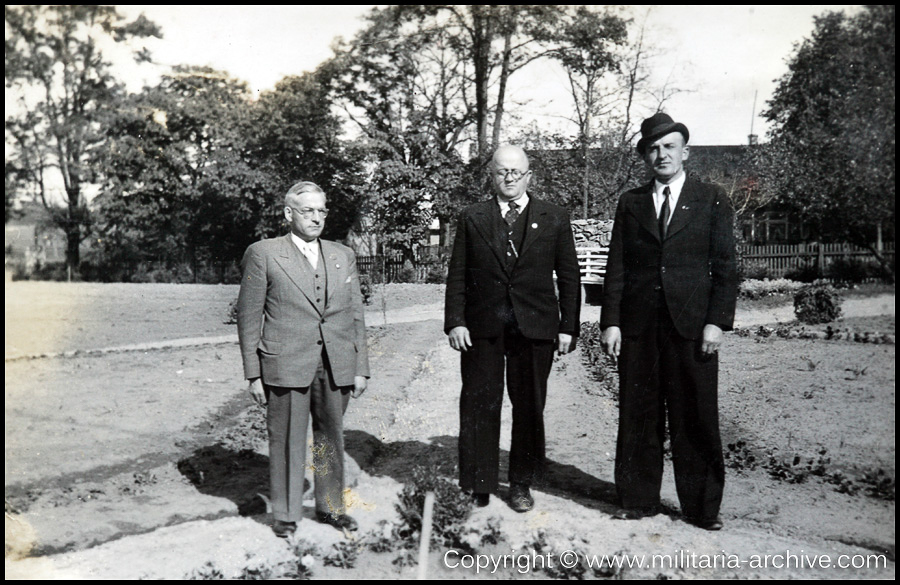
481, 55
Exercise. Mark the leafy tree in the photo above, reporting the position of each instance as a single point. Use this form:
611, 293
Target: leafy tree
832, 136
178, 190
585, 53
54, 60
293, 135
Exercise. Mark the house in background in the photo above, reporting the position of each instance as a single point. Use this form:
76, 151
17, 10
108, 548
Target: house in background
30, 239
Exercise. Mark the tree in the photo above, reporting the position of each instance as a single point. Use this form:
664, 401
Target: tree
406, 87
177, 189
293, 135
585, 54
606, 59
54, 52
832, 136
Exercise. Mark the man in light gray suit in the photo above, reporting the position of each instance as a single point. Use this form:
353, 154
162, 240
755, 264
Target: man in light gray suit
303, 342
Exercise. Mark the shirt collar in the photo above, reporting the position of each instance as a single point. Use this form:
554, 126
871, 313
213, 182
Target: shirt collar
675, 187
302, 244
521, 202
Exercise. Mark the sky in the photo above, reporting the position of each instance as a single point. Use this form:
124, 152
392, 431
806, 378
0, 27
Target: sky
723, 56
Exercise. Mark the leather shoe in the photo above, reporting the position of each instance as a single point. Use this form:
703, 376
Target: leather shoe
339, 521
709, 524
284, 529
520, 498
635, 513
481, 500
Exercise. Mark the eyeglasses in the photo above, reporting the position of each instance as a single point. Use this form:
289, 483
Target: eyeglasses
307, 212
513, 174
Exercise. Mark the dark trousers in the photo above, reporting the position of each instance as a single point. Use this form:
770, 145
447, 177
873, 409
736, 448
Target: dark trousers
287, 418
662, 372
526, 363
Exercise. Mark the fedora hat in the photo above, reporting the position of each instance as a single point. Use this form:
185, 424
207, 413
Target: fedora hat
657, 126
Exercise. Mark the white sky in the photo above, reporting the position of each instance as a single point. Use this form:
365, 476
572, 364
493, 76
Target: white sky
723, 54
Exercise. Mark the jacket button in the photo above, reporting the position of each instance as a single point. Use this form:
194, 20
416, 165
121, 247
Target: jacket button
319, 342
663, 269
657, 287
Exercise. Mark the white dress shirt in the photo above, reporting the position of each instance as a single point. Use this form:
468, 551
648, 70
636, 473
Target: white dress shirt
675, 188
521, 202
308, 249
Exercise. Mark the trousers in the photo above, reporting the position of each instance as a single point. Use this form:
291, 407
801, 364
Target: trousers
287, 420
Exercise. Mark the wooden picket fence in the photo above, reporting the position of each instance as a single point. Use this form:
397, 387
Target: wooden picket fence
390, 266
782, 258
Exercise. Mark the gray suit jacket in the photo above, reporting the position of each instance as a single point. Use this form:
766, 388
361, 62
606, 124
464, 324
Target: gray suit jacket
281, 331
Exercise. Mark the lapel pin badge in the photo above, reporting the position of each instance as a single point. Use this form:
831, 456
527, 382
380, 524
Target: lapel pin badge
534, 226
685, 207
337, 265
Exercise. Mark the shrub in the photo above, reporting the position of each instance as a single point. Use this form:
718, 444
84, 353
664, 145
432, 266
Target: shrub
817, 304
757, 289
806, 272
848, 270
437, 274
754, 271
451, 508
365, 287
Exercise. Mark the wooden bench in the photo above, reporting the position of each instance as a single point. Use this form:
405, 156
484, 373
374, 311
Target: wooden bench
592, 262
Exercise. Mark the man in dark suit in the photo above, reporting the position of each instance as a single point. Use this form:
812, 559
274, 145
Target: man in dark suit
503, 314
671, 288
303, 341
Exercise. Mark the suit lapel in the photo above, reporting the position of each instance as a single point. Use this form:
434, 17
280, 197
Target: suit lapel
487, 222
296, 268
685, 210
537, 222
645, 212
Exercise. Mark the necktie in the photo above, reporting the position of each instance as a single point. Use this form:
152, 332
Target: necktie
312, 254
513, 214
664, 215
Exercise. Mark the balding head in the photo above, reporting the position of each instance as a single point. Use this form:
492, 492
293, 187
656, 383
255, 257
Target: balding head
510, 173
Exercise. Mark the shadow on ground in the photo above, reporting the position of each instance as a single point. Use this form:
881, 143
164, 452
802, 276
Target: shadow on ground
397, 460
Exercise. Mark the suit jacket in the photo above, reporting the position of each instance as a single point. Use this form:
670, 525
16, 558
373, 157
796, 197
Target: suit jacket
695, 267
282, 332
480, 283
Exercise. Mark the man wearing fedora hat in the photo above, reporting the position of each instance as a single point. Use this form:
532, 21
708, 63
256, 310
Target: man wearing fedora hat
670, 292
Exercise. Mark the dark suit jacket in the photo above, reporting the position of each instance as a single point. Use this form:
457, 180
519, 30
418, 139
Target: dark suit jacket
279, 326
479, 282
695, 266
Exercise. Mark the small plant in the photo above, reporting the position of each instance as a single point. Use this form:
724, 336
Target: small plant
231, 316
879, 485
305, 553
208, 572
602, 367
451, 508
383, 540
817, 304
365, 287
738, 456
344, 555
796, 468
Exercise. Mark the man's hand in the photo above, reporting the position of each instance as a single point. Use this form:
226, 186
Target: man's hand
359, 386
712, 339
565, 344
257, 392
460, 339
611, 341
